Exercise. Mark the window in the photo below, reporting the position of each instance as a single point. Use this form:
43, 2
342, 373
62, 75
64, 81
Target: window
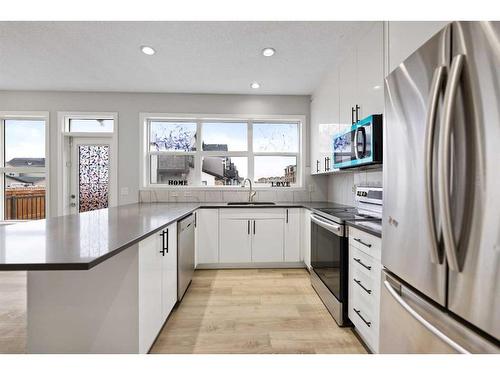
23, 184
172, 136
222, 152
83, 125
224, 136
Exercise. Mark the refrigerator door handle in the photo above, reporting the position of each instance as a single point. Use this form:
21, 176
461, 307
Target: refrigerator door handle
435, 331
444, 161
436, 86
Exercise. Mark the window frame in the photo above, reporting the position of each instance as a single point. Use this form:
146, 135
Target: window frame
64, 135
146, 118
24, 115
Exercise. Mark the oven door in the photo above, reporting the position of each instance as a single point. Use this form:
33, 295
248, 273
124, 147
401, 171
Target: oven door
328, 255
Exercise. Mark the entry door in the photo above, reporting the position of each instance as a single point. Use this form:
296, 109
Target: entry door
93, 174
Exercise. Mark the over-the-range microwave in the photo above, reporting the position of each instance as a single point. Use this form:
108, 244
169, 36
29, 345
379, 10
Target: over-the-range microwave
361, 145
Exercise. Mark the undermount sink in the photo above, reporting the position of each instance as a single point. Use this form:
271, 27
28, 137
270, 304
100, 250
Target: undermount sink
251, 203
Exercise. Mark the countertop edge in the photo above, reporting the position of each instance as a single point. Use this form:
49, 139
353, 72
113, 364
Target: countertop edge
85, 266
364, 229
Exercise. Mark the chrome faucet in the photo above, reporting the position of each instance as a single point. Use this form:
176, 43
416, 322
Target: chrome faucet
251, 193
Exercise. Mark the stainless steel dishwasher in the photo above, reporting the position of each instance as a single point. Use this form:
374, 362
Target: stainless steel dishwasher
185, 254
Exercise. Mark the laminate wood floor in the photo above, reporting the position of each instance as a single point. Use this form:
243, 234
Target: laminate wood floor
223, 311
12, 312
253, 311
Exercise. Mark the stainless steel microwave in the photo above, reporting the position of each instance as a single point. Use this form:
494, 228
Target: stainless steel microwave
361, 145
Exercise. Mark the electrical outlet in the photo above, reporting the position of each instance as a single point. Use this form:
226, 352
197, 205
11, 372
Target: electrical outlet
175, 195
124, 191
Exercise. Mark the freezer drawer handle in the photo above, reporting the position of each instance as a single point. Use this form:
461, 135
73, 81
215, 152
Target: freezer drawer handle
369, 291
422, 321
364, 265
362, 242
358, 312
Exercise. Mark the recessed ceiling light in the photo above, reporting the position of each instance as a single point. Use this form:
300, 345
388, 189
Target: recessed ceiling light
255, 85
268, 52
377, 87
148, 50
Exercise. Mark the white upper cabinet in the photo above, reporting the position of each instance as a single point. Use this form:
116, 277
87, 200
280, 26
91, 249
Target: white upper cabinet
324, 122
347, 87
267, 240
404, 38
370, 72
358, 81
207, 236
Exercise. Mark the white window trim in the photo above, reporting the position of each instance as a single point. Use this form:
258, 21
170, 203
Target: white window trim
63, 133
145, 117
26, 115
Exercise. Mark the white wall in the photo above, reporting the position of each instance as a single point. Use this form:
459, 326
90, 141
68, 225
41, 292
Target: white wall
341, 186
129, 105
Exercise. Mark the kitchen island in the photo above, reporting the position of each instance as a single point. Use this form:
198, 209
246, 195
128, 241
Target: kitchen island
86, 278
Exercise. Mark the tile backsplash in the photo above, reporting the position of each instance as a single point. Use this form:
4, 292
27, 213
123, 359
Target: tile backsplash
341, 186
318, 185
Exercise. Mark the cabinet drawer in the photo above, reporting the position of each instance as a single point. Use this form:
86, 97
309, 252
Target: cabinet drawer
252, 213
365, 321
366, 287
364, 264
365, 242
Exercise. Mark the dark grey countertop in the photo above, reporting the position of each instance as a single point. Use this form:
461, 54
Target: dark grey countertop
365, 226
82, 241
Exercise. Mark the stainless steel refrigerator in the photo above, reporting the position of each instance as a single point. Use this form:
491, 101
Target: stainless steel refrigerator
441, 219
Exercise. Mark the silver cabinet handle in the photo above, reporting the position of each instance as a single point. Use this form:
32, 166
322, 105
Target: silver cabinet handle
436, 86
358, 312
358, 260
369, 291
444, 161
422, 321
362, 242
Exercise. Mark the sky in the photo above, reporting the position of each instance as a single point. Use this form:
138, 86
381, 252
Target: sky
267, 137
24, 139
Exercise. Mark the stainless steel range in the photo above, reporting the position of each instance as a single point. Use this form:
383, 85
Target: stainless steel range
329, 247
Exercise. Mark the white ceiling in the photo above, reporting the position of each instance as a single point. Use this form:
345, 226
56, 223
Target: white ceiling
192, 57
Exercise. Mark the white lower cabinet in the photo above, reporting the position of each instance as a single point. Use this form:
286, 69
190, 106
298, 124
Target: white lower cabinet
235, 241
249, 235
267, 240
169, 271
306, 238
364, 285
207, 236
293, 235
157, 283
